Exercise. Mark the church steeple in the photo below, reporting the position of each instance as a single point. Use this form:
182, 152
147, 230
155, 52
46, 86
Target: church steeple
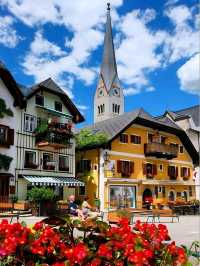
108, 66
109, 99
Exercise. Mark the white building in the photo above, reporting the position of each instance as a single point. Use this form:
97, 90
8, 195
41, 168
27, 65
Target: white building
11, 102
44, 150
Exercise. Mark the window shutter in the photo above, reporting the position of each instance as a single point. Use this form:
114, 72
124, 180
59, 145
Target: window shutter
126, 138
154, 169
144, 169
10, 140
119, 164
131, 167
169, 170
182, 172
176, 171
88, 165
188, 172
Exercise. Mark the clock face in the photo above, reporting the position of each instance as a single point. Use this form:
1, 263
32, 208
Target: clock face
100, 92
115, 91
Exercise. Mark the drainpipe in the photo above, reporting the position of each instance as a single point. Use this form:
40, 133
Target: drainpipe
101, 179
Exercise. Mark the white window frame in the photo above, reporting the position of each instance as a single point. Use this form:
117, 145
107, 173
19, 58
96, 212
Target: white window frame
24, 157
136, 136
66, 156
33, 122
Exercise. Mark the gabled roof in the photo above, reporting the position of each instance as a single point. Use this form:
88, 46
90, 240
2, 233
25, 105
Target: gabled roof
12, 86
193, 111
113, 127
50, 86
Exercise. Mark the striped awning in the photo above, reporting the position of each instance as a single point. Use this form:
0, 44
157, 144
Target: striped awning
53, 181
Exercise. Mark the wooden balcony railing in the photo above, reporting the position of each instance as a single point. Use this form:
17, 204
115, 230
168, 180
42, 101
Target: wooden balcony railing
160, 150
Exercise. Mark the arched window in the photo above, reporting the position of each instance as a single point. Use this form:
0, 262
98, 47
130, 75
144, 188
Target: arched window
98, 109
113, 108
103, 108
118, 109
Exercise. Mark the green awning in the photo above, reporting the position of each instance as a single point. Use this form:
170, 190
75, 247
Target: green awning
53, 181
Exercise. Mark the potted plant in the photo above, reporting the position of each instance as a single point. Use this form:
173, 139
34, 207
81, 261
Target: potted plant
42, 200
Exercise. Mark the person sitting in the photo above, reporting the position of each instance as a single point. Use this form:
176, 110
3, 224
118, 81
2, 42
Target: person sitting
73, 207
87, 209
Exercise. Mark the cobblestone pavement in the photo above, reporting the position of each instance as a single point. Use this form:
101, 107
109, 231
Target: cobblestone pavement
183, 232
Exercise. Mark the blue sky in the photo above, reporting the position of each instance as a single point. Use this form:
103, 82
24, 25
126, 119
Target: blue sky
156, 43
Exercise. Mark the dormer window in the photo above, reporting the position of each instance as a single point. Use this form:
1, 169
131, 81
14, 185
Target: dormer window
39, 99
58, 106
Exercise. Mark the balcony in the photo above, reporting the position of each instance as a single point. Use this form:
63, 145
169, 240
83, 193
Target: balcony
160, 150
56, 135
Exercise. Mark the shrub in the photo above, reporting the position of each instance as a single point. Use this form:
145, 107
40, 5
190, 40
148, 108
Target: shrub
37, 194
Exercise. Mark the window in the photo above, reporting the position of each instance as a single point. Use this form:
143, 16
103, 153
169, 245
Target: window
149, 170
63, 163
122, 197
82, 191
135, 139
150, 138
30, 160
185, 172
84, 166
172, 172
98, 109
6, 136
113, 107
163, 192
123, 138
3, 135
58, 106
156, 191
118, 109
160, 167
29, 123
126, 168
162, 139
48, 163
180, 149
39, 99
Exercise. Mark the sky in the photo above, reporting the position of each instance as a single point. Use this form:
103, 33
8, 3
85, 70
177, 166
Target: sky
156, 44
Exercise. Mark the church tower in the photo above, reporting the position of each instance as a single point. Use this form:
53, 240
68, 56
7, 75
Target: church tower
109, 98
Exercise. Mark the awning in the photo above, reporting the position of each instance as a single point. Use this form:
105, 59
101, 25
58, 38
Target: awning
53, 181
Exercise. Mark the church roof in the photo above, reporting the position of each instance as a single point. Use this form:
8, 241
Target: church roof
113, 127
109, 66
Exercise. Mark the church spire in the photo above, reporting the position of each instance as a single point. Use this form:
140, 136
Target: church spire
108, 66
109, 98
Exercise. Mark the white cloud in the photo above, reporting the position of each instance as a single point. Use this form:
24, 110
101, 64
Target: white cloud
41, 46
82, 107
131, 91
150, 89
183, 41
8, 35
188, 75
137, 52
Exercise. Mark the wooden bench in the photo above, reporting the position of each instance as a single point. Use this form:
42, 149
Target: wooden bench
157, 214
6, 206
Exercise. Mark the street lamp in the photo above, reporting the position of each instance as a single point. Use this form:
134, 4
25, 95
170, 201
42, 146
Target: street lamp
106, 157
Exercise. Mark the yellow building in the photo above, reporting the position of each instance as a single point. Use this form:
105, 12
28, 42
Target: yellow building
144, 157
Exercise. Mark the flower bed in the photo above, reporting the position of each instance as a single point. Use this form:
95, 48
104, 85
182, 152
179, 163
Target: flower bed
43, 245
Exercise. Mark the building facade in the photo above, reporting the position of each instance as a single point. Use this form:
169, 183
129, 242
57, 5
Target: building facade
189, 120
42, 144
144, 158
11, 102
